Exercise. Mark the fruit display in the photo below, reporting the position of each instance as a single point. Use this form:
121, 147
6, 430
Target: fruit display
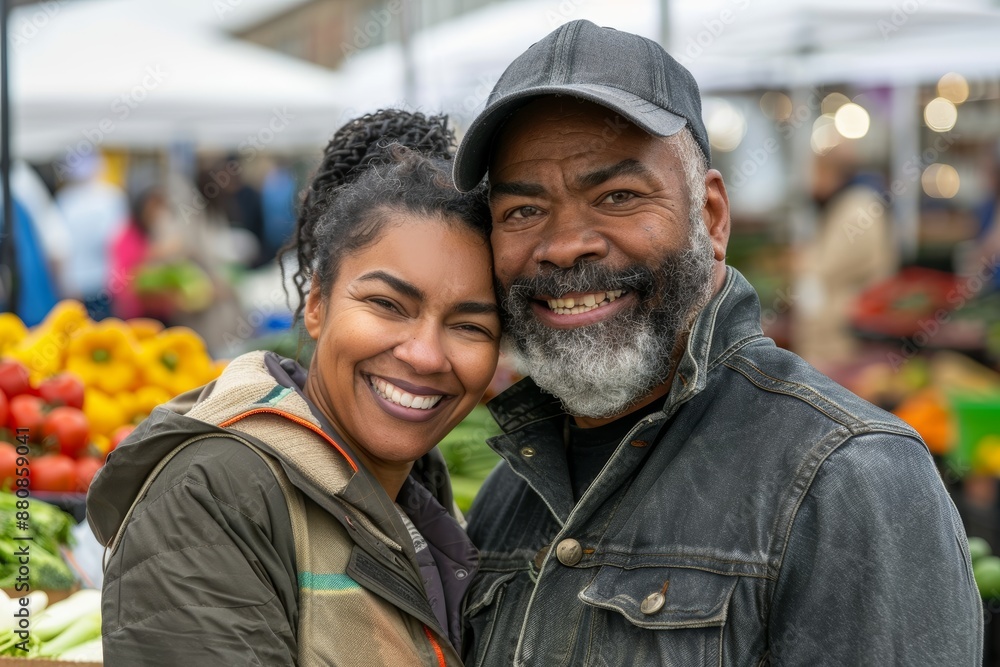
49, 528
71, 389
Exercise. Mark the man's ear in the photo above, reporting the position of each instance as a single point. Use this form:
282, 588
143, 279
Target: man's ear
716, 213
314, 313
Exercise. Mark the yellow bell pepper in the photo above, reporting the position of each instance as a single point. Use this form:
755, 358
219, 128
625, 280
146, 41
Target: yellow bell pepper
103, 412
144, 327
138, 404
175, 360
104, 356
42, 354
12, 332
43, 350
65, 319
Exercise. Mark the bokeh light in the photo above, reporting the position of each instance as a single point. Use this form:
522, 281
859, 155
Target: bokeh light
824, 135
940, 181
940, 114
725, 124
776, 106
953, 87
852, 121
832, 102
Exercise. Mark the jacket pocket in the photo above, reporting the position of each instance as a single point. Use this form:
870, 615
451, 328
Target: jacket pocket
482, 605
658, 615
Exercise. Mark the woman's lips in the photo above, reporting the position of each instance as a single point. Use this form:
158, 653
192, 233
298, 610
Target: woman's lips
413, 405
559, 318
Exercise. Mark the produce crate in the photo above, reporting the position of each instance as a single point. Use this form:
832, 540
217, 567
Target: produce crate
978, 421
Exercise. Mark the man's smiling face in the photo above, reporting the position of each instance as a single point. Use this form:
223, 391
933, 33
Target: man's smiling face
601, 259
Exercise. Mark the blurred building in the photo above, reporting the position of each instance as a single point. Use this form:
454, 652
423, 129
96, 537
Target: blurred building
326, 32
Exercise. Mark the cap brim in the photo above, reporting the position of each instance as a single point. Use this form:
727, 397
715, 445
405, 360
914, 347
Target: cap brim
473, 155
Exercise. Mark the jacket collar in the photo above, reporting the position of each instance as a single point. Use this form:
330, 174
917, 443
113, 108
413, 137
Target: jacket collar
730, 320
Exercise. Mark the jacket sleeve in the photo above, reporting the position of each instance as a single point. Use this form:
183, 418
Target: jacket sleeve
205, 571
876, 569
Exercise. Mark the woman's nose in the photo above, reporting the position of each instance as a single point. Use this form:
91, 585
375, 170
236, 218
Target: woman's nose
424, 351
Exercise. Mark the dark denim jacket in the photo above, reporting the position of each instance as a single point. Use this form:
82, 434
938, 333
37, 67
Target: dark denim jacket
766, 516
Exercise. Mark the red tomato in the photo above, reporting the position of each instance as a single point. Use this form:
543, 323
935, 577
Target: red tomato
53, 472
8, 465
69, 427
13, 378
86, 468
120, 434
4, 405
62, 389
26, 412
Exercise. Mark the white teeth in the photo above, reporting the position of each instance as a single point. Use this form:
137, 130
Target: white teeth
584, 303
400, 397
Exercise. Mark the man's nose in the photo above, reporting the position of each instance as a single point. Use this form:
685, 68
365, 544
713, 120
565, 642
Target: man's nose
569, 238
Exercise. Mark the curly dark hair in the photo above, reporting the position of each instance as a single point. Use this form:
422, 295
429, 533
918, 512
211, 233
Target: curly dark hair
388, 161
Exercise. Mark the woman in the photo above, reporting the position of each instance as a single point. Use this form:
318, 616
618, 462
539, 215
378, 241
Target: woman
305, 519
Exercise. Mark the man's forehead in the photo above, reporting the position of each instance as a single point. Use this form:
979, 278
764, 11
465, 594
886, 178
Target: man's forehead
573, 131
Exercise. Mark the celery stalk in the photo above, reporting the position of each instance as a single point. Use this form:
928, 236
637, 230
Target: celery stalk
84, 629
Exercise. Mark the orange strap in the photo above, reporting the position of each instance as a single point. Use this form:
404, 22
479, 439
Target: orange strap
298, 420
437, 647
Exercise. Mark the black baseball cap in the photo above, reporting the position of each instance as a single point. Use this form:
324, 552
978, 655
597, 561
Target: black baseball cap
627, 73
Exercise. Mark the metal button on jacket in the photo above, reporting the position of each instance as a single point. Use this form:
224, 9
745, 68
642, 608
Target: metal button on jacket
653, 603
569, 552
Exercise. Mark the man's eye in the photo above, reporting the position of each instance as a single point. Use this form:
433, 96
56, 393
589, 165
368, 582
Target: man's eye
619, 197
523, 212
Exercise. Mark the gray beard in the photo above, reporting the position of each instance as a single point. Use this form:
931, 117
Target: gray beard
601, 370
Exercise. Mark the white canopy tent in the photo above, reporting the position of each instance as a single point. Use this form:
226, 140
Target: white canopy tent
728, 45
92, 74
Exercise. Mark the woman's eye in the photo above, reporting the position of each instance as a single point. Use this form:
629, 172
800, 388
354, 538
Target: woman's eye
476, 329
619, 197
384, 303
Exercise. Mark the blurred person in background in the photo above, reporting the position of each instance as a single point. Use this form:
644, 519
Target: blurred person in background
37, 253
146, 239
282, 517
94, 211
278, 195
853, 249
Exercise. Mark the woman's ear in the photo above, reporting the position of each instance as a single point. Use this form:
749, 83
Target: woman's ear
314, 313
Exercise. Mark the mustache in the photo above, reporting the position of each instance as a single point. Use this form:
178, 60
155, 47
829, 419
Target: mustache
584, 277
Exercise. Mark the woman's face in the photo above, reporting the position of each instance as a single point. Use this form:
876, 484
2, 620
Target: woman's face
406, 341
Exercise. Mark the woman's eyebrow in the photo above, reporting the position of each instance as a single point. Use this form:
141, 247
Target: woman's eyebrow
401, 286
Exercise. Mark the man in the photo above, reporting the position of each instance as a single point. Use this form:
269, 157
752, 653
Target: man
678, 491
